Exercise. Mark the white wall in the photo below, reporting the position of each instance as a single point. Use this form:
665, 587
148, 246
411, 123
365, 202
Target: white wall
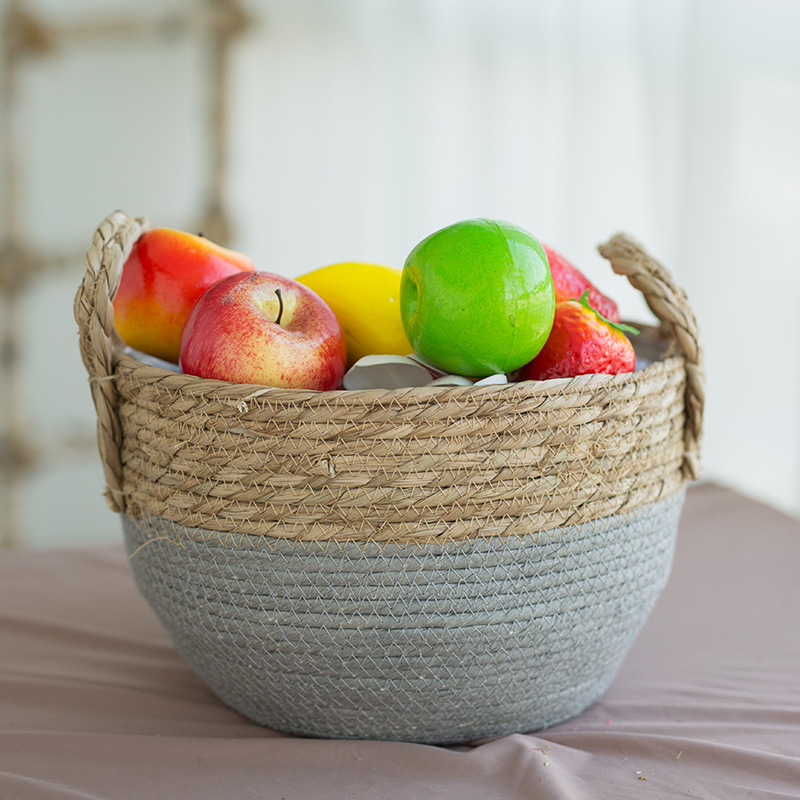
359, 127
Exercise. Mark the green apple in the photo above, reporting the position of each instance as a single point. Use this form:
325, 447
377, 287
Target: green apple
476, 298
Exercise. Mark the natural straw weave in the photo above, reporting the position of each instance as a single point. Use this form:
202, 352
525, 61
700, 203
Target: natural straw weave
420, 464
489, 552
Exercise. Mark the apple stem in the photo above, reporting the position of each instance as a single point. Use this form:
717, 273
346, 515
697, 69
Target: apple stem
280, 307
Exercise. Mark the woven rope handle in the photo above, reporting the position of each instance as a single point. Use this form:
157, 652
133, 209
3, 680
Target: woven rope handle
111, 245
669, 303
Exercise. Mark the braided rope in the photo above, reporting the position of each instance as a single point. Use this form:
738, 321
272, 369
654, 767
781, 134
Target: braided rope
669, 303
423, 464
111, 245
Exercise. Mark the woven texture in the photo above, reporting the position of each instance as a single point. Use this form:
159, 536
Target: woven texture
428, 644
423, 464
430, 564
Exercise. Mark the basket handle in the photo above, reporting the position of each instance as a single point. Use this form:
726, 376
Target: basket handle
669, 303
112, 243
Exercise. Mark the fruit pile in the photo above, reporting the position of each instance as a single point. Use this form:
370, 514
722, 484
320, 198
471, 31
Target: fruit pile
480, 301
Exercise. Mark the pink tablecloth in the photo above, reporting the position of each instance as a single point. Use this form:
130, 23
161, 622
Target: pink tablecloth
95, 702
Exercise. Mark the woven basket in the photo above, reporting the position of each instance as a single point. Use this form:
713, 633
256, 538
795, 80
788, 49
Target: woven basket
430, 564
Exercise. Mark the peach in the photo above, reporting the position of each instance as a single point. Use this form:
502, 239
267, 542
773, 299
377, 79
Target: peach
166, 273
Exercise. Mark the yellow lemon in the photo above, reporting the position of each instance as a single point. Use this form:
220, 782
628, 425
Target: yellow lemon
366, 301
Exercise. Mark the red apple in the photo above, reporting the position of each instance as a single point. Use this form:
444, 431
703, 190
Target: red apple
162, 279
258, 327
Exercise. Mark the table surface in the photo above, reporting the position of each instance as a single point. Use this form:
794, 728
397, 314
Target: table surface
96, 703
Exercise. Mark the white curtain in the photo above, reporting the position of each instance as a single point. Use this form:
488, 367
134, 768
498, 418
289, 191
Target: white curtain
359, 126
366, 125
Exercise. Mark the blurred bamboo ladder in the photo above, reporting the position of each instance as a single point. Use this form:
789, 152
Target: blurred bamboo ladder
27, 36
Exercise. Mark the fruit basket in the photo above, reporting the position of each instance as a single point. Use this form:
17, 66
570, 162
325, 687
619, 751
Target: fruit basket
437, 564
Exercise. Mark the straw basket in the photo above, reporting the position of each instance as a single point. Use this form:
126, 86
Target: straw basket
429, 565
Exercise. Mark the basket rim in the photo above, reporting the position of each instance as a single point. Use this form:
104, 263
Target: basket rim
246, 392
108, 366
